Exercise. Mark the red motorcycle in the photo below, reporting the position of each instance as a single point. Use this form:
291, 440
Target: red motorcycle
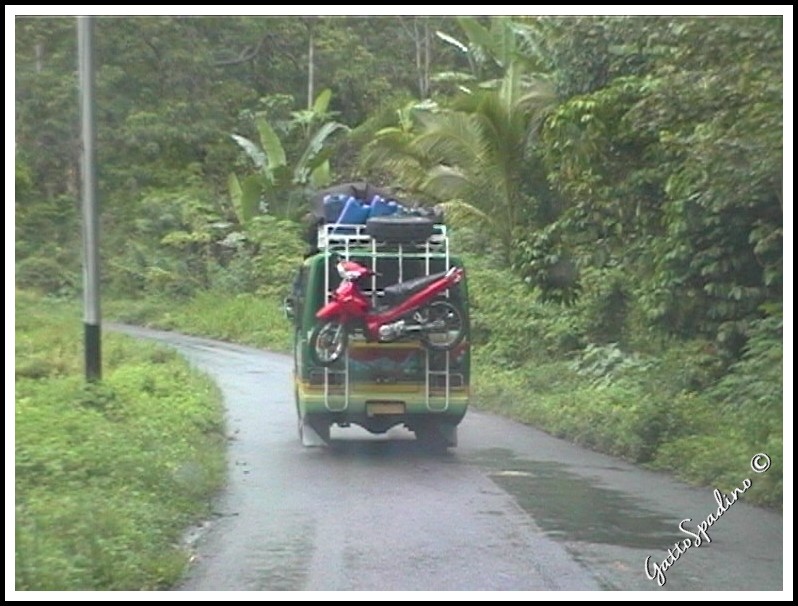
418, 310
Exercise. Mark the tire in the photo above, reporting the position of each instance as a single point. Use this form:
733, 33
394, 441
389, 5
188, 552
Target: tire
452, 315
400, 230
328, 342
432, 437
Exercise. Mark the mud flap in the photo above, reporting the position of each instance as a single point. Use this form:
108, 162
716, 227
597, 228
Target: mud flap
448, 434
312, 436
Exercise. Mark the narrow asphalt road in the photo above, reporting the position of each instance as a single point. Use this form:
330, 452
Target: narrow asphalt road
510, 508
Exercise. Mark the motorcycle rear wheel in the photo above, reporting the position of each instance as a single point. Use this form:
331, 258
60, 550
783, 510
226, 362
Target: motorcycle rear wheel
328, 342
452, 325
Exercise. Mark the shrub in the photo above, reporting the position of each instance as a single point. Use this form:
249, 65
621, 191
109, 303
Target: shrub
46, 275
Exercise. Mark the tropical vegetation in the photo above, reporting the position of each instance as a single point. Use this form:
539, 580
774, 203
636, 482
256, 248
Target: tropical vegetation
616, 184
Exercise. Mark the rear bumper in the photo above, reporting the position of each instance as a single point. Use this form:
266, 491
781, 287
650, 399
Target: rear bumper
381, 405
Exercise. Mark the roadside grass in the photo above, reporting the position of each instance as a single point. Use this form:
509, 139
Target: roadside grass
247, 319
107, 476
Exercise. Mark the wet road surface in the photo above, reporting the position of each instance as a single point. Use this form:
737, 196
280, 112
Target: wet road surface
510, 508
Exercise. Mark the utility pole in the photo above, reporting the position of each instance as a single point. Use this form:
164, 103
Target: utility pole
91, 262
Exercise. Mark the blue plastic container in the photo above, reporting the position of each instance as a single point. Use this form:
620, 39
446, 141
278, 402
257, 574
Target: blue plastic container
382, 208
333, 206
355, 212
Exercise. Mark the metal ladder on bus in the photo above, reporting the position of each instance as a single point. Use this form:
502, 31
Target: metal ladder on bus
428, 372
325, 238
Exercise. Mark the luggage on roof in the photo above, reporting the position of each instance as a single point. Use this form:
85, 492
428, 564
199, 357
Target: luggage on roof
350, 206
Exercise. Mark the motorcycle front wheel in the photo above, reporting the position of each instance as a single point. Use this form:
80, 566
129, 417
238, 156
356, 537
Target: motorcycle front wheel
445, 325
328, 342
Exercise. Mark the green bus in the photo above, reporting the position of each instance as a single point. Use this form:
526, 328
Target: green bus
377, 385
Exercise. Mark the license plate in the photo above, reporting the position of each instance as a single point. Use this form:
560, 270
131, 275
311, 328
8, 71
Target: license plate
384, 408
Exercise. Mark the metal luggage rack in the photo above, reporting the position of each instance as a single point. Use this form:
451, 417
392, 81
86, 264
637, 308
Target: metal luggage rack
335, 236
354, 239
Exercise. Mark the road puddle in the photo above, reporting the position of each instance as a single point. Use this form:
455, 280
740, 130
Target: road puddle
575, 508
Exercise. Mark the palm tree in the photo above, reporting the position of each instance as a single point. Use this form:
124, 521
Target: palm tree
479, 152
472, 158
387, 144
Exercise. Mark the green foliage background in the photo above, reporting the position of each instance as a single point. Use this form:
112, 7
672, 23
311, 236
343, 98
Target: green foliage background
616, 184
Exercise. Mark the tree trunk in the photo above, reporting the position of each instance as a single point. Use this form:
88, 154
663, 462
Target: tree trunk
422, 43
310, 69
417, 43
427, 57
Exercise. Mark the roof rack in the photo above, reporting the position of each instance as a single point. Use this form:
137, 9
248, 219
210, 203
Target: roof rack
336, 235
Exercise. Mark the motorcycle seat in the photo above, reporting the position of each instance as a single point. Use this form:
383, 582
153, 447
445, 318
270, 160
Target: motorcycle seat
397, 292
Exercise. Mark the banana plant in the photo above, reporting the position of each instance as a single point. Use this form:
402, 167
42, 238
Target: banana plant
491, 50
268, 189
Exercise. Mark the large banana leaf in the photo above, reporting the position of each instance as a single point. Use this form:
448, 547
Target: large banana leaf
306, 163
253, 151
271, 143
451, 40
245, 196
322, 102
321, 176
